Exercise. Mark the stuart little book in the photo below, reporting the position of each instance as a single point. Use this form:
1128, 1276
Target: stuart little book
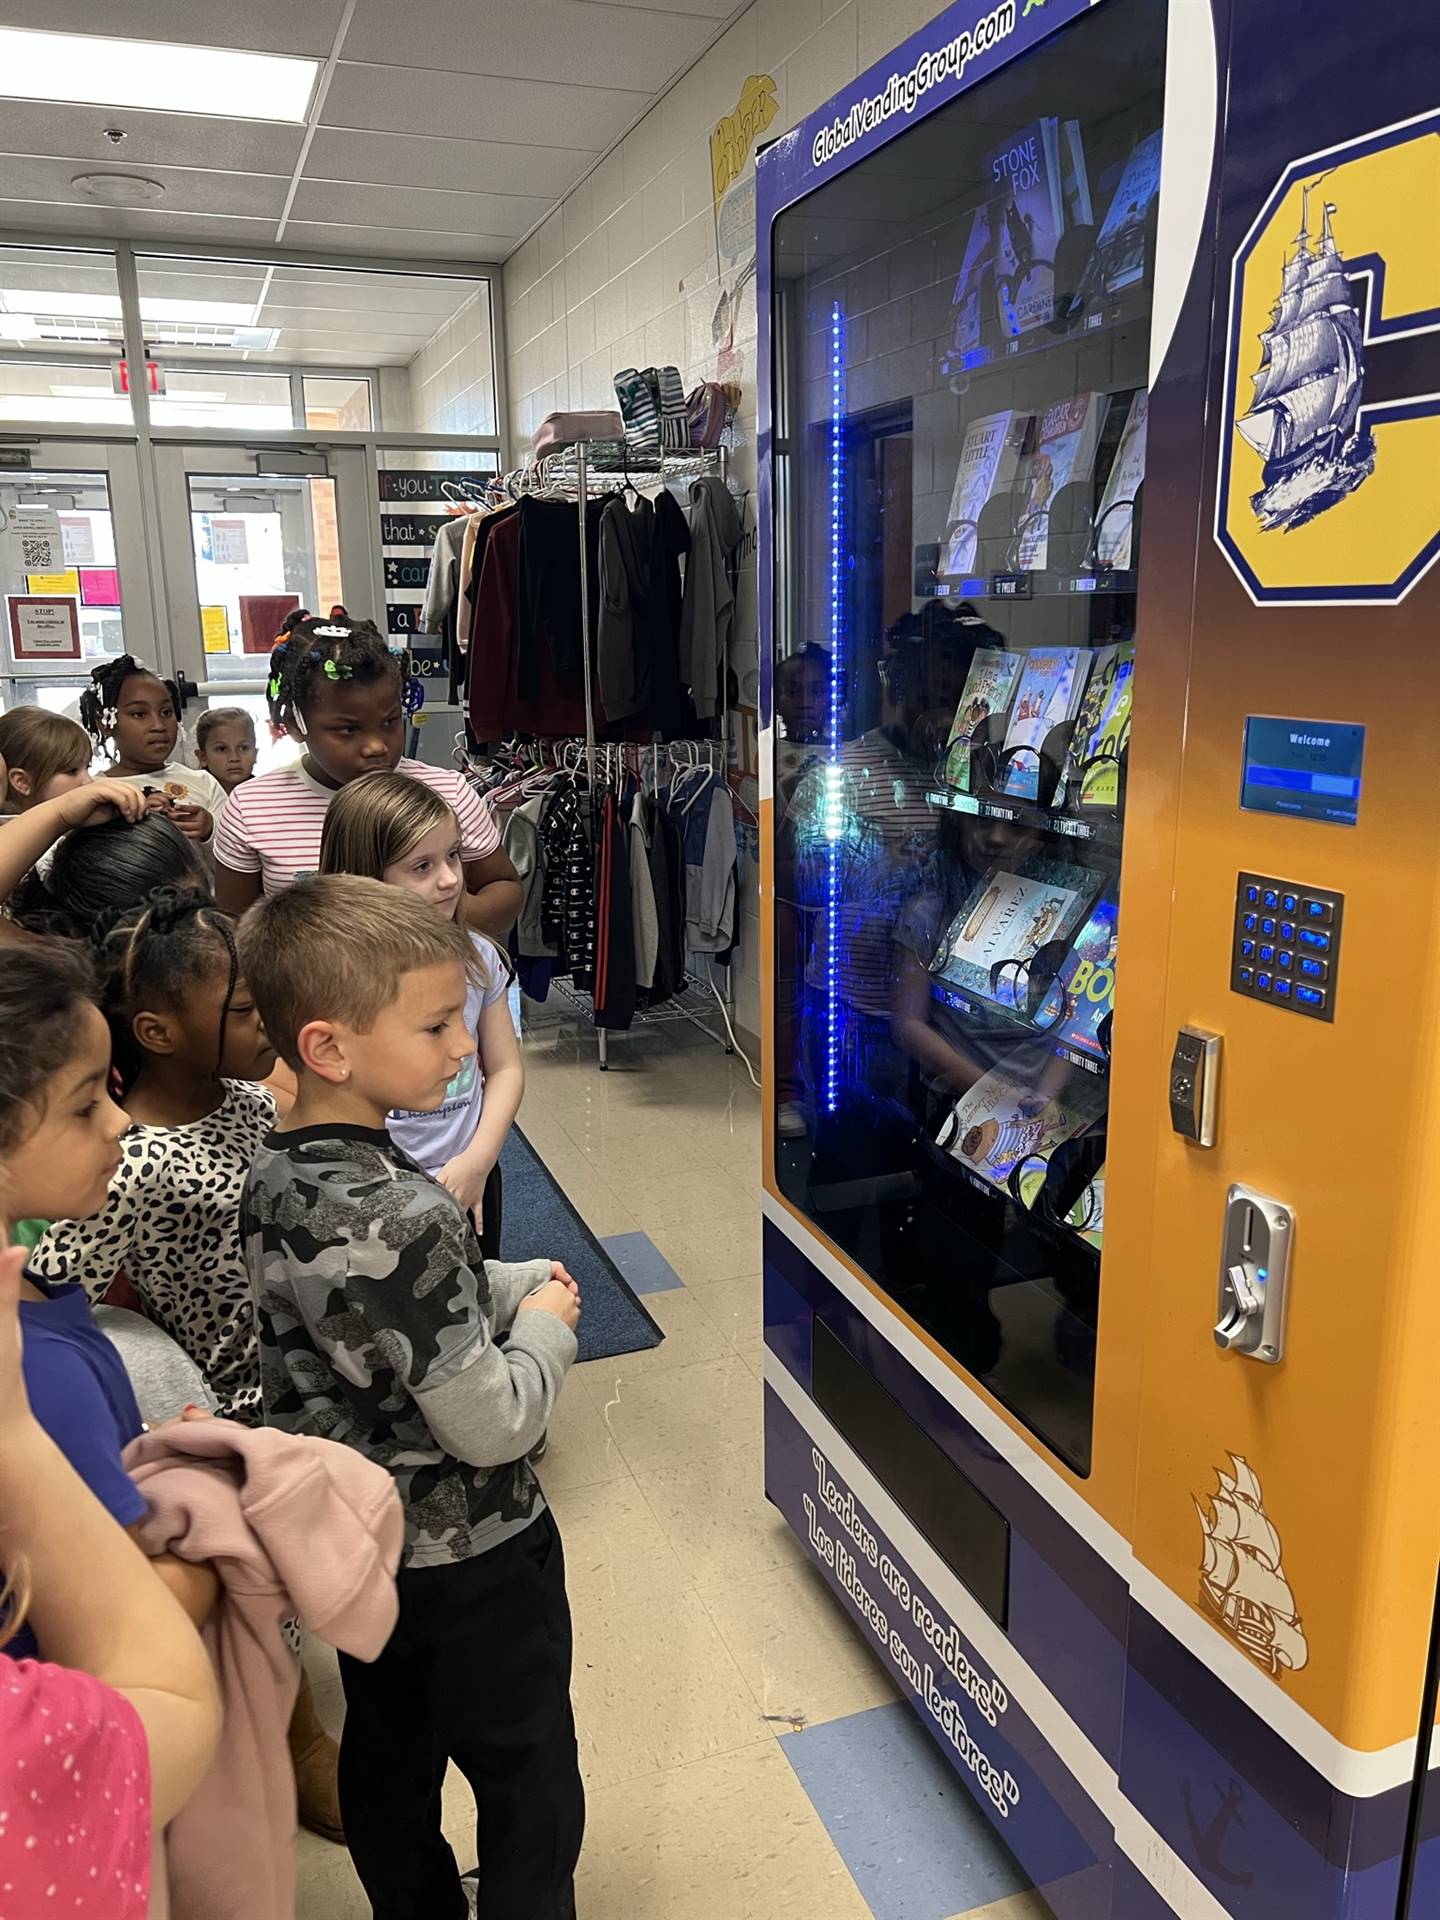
1104, 726
989, 686
1115, 522
1005, 922
1063, 454
989, 462
1003, 1124
1051, 683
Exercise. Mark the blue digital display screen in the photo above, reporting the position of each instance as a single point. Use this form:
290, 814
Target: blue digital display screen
1308, 768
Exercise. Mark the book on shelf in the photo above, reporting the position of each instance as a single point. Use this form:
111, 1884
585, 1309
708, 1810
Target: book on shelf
1103, 727
1038, 184
988, 689
974, 296
1051, 684
1119, 257
1084, 991
989, 461
1087, 1216
1004, 923
1062, 453
1065, 152
1115, 522
1003, 1123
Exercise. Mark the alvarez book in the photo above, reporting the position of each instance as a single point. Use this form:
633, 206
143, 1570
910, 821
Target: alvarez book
1062, 454
989, 462
1115, 522
1005, 922
989, 686
1051, 684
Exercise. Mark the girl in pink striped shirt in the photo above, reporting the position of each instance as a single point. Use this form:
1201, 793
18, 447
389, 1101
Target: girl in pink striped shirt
336, 687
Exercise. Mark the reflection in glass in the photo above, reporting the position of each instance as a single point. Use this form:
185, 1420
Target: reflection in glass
961, 339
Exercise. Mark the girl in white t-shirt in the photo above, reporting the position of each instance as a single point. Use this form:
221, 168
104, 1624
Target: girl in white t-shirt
132, 714
388, 826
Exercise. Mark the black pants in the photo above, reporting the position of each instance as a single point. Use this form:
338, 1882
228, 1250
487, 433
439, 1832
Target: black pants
490, 1211
478, 1672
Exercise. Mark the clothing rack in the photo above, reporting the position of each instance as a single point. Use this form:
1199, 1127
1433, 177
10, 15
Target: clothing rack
571, 469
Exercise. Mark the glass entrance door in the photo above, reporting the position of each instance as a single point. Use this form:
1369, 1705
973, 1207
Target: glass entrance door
73, 574
250, 536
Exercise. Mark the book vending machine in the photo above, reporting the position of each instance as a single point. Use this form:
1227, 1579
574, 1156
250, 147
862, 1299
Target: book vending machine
1099, 431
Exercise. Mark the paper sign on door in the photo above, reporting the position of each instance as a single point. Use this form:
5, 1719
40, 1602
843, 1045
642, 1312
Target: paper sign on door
43, 629
215, 629
37, 543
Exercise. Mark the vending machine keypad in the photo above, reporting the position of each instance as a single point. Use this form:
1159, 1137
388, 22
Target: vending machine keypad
1285, 946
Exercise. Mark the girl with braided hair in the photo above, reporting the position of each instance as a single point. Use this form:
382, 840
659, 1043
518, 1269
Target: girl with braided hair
337, 689
134, 715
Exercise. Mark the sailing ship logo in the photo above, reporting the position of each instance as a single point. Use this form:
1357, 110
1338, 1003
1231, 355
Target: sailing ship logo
1303, 418
1242, 1584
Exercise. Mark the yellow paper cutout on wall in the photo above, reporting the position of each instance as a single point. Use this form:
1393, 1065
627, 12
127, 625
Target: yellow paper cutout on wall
733, 139
215, 629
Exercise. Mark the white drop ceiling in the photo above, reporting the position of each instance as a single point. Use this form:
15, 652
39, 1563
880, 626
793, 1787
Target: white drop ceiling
440, 130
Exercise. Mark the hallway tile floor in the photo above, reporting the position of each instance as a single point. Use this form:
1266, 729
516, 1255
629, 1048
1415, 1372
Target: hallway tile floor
745, 1755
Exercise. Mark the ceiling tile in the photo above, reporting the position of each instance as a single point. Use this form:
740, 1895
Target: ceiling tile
420, 160
509, 214
125, 224
252, 195
258, 26
329, 289
397, 243
159, 282
530, 112
557, 40
151, 139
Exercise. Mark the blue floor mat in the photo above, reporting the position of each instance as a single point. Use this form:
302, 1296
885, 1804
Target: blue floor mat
539, 1222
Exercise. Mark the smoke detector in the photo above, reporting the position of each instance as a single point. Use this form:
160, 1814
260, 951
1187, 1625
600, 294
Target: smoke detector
118, 189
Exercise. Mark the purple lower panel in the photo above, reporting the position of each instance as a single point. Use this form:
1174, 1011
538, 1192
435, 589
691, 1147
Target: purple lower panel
1042, 1812
1267, 1833
1068, 1606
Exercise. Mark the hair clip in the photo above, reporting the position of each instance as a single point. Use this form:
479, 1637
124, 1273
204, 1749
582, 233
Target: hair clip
330, 633
412, 695
274, 687
334, 670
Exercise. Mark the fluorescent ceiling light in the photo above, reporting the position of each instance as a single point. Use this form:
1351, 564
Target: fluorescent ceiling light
154, 74
106, 306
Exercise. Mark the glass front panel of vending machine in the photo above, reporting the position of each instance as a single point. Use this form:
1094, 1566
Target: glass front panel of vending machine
962, 330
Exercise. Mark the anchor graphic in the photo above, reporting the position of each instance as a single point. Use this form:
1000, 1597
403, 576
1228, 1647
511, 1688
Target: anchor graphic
1209, 1842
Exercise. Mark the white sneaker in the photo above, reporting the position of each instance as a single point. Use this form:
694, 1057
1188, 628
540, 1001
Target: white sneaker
790, 1122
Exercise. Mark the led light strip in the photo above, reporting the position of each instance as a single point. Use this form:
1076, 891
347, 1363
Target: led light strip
834, 774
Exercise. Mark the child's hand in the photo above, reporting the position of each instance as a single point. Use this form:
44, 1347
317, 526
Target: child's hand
100, 800
467, 1183
194, 822
557, 1272
554, 1298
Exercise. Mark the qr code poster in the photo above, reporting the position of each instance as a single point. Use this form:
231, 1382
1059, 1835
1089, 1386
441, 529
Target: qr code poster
42, 630
37, 541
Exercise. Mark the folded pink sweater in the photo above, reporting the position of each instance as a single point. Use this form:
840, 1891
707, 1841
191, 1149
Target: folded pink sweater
293, 1526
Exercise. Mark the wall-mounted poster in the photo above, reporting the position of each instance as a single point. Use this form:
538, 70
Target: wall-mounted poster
43, 629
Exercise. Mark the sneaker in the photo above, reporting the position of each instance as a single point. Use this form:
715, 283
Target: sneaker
790, 1122
471, 1883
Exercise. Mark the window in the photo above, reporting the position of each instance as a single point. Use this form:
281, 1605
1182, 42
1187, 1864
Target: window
60, 338
962, 326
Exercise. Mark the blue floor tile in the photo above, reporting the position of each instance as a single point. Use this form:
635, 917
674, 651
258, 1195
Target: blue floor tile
916, 1845
642, 1262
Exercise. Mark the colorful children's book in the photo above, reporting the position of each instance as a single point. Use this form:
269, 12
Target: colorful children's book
1115, 522
1027, 218
989, 462
1084, 990
1119, 257
988, 688
1087, 1216
1004, 923
1051, 683
1103, 727
1002, 1123
1062, 454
